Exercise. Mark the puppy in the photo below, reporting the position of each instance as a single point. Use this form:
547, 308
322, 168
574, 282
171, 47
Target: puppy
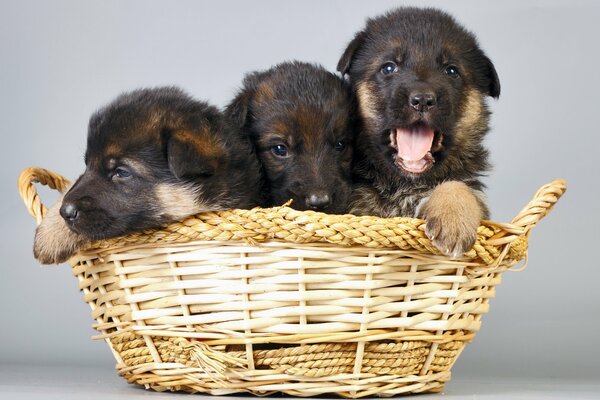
298, 116
421, 81
153, 156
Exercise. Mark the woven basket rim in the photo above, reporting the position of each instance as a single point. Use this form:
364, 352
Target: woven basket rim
495, 240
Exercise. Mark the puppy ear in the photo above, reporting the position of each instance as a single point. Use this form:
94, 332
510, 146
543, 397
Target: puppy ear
345, 61
238, 111
194, 154
491, 83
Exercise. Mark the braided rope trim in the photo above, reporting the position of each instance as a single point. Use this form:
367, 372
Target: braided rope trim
289, 225
387, 368
314, 361
497, 243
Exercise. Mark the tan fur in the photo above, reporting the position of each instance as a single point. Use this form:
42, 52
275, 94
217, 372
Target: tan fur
309, 120
473, 109
452, 213
366, 200
279, 129
179, 201
207, 146
113, 150
140, 168
365, 102
264, 93
54, 242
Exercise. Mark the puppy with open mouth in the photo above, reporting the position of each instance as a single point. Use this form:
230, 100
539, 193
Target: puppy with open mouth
421, 81
299, 117
153, 156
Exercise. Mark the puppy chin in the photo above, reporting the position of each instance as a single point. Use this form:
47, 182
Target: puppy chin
54, 242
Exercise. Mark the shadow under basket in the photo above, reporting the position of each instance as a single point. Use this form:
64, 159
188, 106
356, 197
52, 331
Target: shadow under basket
279, 300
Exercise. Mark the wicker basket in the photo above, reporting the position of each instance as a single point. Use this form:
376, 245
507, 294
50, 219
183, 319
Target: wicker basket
278, 300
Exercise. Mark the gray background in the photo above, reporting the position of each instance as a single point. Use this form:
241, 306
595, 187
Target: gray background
61, 60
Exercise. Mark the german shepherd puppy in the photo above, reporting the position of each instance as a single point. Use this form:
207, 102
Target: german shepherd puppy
299, 117
153, 156
421, 81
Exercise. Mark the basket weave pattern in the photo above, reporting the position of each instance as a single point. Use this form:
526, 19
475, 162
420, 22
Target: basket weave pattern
277, 300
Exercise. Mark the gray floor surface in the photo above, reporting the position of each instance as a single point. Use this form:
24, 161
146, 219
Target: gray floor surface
20, 382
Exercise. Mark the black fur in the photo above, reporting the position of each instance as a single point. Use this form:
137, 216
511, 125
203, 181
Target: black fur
422, 43
308, 110
180, 156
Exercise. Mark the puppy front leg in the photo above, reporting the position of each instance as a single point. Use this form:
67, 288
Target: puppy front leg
54, 242
452, 214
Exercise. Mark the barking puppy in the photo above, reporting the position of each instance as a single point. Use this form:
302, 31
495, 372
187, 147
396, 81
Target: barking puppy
153, 156
421, 81
298, 115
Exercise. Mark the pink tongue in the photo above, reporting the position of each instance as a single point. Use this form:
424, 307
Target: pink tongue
414, 143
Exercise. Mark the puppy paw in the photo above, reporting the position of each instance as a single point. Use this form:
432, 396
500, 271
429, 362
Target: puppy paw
54, 242
53, 255
453, 235
452, 215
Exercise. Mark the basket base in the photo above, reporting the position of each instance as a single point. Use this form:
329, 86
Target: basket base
299, 388
387, 368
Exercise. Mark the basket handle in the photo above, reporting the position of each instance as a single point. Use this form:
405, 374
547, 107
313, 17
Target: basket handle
28, 192
540, 205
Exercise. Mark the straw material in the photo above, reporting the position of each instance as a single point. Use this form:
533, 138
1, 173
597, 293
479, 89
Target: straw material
278, 300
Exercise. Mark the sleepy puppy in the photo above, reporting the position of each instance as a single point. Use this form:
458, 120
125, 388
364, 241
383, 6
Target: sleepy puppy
298, 116
153, 156
421, 81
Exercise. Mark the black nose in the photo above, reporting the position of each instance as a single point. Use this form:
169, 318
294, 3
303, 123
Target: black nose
422, 101
69, 211
318, 201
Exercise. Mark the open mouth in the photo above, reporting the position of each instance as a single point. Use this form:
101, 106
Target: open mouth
414, 147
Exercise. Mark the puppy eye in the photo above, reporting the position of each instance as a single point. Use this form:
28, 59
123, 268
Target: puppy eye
340, 146
121, 172
452, 71
280, 150
389, 68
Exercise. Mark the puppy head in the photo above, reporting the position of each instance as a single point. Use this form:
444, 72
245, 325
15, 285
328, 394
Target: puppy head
299, 117
152, 157
421, 81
